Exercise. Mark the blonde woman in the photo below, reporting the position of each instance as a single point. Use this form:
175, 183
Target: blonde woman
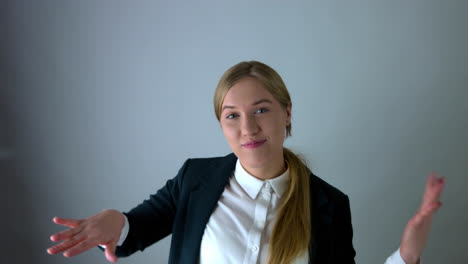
259, 204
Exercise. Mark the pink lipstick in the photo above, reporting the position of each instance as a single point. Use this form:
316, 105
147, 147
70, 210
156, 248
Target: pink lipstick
254, 144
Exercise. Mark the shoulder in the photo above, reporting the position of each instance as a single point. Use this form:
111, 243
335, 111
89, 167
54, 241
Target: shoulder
323, 189
210, 162
331, 223
213, 160
213, 170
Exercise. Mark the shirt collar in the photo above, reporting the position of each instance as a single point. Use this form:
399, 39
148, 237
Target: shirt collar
252, 185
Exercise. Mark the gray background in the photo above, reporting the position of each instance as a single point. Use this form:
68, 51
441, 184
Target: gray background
102, 101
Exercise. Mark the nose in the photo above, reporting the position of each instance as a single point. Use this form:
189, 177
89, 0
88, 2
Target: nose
249, 126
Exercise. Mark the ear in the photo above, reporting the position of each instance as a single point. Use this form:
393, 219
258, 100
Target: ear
288, 115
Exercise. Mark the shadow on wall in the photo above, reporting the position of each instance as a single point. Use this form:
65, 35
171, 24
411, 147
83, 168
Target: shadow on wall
17, 221
17, 240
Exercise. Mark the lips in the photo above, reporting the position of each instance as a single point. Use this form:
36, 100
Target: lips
254, 144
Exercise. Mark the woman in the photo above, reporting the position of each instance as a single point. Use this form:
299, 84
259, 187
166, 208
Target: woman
261, 202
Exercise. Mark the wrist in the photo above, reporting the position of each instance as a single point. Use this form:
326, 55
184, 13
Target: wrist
409, 258
118, 216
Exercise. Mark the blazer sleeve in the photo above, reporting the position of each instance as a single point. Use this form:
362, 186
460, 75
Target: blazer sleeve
344, 250
152, 220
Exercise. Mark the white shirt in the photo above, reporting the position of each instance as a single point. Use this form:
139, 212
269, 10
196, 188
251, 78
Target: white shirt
240, 226
242, 222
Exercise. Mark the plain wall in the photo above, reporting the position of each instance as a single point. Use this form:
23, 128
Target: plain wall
102, 101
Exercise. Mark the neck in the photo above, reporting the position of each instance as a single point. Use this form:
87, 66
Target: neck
268, 172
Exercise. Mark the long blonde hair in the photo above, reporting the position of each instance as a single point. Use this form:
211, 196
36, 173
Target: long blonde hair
292, 229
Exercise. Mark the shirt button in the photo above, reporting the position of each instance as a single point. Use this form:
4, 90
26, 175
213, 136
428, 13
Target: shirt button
254, 248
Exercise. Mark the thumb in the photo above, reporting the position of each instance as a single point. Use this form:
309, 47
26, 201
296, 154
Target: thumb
110, 251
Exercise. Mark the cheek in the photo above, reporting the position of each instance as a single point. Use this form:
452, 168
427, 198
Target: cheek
274, 126
229, 132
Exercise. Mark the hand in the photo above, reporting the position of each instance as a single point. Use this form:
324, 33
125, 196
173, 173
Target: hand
417, 230
103, 228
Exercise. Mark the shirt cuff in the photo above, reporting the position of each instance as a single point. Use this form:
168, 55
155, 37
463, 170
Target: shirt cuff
123, 233
395, 258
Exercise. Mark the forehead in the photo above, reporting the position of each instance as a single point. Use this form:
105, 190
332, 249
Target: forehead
247, 91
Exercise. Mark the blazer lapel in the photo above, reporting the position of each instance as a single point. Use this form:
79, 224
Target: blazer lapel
202, 202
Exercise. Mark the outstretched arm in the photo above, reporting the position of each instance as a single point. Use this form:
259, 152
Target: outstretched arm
417, 230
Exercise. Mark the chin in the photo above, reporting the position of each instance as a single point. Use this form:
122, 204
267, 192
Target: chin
254, 161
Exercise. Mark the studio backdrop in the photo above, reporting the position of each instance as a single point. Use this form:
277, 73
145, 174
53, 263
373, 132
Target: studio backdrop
102, 101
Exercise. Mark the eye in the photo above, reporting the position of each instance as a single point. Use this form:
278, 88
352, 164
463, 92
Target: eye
261, 111
231, 116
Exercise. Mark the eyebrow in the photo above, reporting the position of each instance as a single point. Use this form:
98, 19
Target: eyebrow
255, 103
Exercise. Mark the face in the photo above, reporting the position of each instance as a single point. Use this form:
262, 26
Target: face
254, 124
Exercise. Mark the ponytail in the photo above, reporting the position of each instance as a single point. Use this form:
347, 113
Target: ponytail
291, 233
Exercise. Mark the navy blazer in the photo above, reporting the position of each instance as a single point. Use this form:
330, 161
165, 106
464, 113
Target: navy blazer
184, 205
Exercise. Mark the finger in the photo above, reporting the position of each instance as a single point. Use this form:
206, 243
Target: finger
436, 179
439, 186
65, 245
67, 221
441, 181
433, 189
426, 213
432, 198
110, 252
431, 179
433, 194
65, 234
79, 248
431, 209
